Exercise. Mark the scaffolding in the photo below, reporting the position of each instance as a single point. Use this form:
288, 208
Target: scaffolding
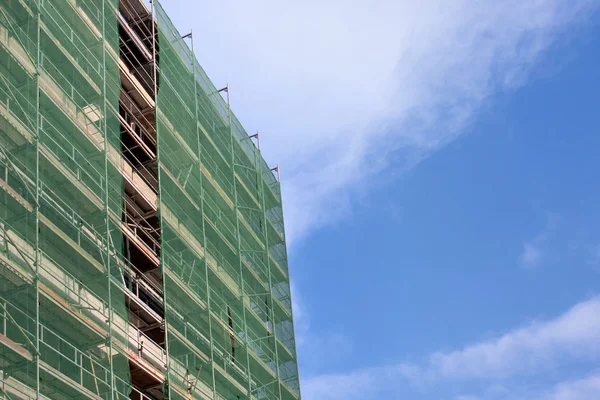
142, 245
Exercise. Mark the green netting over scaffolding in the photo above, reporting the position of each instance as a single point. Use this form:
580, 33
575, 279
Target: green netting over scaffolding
228, 309
85, 264
65, 325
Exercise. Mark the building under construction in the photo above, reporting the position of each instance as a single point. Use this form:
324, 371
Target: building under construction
142, 246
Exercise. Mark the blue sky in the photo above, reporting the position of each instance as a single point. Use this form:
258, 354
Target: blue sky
439, 164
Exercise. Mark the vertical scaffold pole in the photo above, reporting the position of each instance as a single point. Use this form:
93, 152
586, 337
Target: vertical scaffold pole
107, 207
239, 243
37, 204
288, 277
199, 147
154, 62
273, 317
154, 24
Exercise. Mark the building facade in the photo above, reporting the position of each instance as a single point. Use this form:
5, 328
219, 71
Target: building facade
142, 246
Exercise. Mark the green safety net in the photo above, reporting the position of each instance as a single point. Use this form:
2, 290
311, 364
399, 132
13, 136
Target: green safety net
226, 287
64, 331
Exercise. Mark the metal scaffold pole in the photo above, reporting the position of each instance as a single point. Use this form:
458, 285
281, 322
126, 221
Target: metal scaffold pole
136, 216
273, 319
107, 211
239, 244
201, 195
37, 207
163, 264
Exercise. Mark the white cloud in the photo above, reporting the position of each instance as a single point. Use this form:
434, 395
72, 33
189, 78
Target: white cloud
534, 250
524, 353
531, 255
366, 384
574, 334
587, 388
593, 255
315, 350
357, 385
335, 87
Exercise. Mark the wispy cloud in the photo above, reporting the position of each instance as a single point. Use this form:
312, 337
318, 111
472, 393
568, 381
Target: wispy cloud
336, 87
593, 256
342, 89
316, 349
524, 353
365, 384
587, 388
526, 350
534, 250
532, 254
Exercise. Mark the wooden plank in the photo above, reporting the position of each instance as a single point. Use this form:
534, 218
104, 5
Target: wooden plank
50, 225
17, 348
15, 195
62, 377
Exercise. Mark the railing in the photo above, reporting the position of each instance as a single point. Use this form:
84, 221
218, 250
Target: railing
89, 303
264, 390
137, 223
132, 110
226, 314
139, 43
192, 275
15, 168
23, 109
147, 349
256, 259
146, 32
69, 91
89, 62
262, 344
285, 335
22, 255
216, 133
222, 219
259, 307
279, 253
250, 179
89, 372
148, 176
225, 182
221, 263
288, 373
70, 288
141, 279
65, 150
56, 352
216, 100
254, 221
271, 180
281, 292
71, 217
92, 10
223, 358
275, 216
241, 135
134, 63
18, 34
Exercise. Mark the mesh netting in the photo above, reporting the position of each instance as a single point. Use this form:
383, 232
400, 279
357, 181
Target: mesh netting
82, 251
65, 326
229, 320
